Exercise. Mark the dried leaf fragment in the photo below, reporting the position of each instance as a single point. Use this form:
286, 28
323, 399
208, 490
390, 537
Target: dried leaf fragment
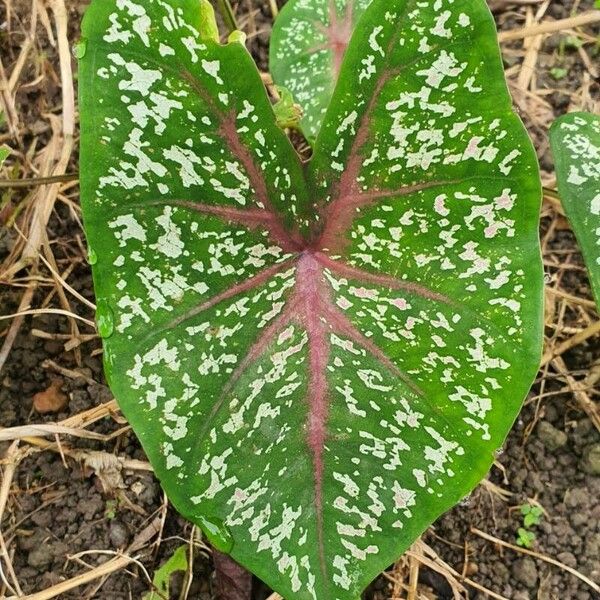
51, 400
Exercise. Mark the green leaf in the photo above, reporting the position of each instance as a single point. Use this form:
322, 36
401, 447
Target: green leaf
208, 22
575, 140
287, 112
162, 577
4, 154
531, 519
525, 538
308, 44
559, 73
319, 359
532, 515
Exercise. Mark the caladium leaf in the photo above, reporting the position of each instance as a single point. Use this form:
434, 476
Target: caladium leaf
575, 140
318, 359
308, 44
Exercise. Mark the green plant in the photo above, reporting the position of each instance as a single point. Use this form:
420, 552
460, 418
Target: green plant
532, 515
4, 154
287, 113
575, 141
525, 538
162, 577
559, 72
110, 510
320, 358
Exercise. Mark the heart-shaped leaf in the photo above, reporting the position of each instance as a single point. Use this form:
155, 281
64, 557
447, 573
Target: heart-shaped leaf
318, 359
308, 44
575, 140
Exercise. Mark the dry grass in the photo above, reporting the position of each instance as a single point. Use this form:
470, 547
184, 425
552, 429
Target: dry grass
42, 174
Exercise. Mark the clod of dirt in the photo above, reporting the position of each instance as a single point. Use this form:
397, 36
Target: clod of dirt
552, 438
567, 558
51, 400
591, 459
577, 498
39, 558
525, 571
119, 534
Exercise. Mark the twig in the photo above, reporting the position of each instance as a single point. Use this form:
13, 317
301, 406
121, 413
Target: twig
46, 430
43, 209
576, 340
13, 330
116, 564
551, 27
570, 298
579, 392
543, 557
35, 181
496, 5
413, 580
12, 459
274, 9
48, 311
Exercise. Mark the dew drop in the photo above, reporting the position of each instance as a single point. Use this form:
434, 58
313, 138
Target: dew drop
92, 256
79, 49
216, 533
105, 319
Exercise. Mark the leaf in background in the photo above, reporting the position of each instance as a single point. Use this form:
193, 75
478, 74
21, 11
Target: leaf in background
287, 112
575, 140
319, 359
308, 44
162, 577
4, 154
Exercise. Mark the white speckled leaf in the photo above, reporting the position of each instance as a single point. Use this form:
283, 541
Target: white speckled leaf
318, 359
575, 142
308, 43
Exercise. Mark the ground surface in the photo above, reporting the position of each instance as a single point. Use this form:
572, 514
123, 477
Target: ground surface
69, 499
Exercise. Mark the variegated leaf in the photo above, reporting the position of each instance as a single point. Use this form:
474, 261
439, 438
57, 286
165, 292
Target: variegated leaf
575, 140
308, 43
318, 359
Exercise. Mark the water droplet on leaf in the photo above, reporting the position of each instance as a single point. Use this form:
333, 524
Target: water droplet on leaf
79, 49
105, 319
216, 533
92, 256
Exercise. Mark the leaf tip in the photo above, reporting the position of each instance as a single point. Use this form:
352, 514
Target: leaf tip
238, 37
209, 31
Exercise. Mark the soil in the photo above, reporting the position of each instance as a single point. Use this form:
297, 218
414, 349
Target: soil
59, 507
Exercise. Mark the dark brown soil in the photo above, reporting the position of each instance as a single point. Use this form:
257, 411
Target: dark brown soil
58, 507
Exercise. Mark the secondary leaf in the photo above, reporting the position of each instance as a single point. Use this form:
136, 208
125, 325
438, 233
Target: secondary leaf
575, 140
308, 44
318, 359
4, 154
287, 112
162, 578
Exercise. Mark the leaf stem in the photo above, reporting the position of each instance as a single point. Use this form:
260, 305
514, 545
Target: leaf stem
227, 12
